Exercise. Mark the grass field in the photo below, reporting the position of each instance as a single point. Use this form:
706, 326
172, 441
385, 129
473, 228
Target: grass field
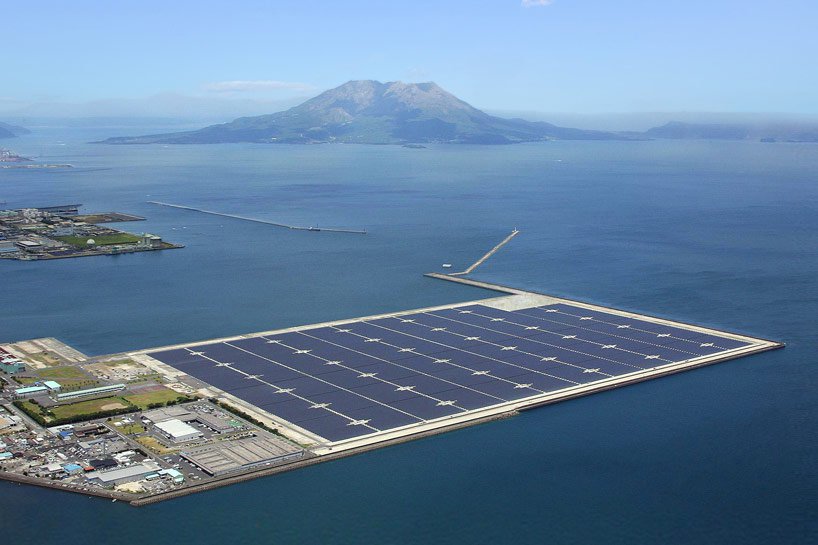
91, 406
153, 444
101, 240
154, 396
70, 378
131, 429
62, 373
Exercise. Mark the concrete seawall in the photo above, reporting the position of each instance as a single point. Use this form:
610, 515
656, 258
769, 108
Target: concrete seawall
56, 485
234, 479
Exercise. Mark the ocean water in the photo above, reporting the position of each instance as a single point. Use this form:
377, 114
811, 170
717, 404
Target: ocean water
723, 234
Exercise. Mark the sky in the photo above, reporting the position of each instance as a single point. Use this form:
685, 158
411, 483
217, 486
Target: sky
561, 56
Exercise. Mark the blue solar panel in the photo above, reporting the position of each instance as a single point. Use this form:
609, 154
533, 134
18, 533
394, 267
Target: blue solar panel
358, 378
425, 408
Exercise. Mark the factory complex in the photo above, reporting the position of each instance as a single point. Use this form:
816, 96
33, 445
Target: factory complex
59, 232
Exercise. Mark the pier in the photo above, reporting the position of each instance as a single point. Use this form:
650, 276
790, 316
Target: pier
256, 220
490, 253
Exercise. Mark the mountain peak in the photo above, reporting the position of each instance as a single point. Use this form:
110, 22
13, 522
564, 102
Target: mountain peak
372, 112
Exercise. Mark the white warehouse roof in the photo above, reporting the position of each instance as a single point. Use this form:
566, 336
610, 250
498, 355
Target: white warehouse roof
177, 429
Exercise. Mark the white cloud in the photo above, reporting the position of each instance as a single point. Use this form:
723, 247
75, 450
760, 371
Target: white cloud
535, 3
245, 86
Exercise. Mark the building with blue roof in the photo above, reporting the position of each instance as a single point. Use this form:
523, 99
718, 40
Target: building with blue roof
72, 469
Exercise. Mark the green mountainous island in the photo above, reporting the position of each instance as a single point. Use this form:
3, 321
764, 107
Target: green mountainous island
371, 112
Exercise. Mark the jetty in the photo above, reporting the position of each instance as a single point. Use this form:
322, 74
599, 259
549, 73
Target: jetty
490, 253
257, 220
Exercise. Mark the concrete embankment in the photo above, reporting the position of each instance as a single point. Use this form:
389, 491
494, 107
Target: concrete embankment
256, 220
309, 461
56, 485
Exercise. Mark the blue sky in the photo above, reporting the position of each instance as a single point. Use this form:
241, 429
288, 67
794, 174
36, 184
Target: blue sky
560, 56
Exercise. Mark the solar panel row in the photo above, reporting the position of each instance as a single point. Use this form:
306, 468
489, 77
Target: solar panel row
368, 376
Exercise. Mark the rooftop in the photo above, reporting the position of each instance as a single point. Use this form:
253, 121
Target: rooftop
176, 428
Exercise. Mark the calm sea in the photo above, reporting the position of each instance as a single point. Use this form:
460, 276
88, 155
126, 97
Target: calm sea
718, 233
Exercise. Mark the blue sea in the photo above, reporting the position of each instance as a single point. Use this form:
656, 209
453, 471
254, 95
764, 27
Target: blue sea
723, 234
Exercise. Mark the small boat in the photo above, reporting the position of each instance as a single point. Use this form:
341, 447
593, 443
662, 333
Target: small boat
447, 265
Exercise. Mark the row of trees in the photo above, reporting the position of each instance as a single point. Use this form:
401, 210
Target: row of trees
170, 402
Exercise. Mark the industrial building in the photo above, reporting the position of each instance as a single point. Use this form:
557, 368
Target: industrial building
151, 241
227, 456
52, 386
10, 364
103, 463
29, 245
125, 474
163, 414
219, 425
174, 474
177, 431
30, 391
90, 392
168, 413
39, 388
72, 469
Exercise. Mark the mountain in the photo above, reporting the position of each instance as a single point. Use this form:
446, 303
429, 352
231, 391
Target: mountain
371, 112
10, 131
767, 132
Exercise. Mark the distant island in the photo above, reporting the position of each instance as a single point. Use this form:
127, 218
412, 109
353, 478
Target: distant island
763, 132
371, 112
12, 131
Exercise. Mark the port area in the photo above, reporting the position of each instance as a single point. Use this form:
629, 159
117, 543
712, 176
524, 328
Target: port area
155, 424
59, 232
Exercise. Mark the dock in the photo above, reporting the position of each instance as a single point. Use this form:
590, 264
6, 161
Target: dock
490, 253
256, 220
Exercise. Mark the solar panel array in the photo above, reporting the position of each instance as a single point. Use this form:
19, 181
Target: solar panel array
346, 381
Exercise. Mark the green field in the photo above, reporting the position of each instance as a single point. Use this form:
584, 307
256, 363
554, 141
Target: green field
101, 240
70, 378
131, 429
153, 397
154, 444
89, 407
62, 373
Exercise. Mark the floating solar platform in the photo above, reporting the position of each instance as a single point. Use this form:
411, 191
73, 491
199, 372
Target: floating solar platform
385, 376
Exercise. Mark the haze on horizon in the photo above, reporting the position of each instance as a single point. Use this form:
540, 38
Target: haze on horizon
559, 57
